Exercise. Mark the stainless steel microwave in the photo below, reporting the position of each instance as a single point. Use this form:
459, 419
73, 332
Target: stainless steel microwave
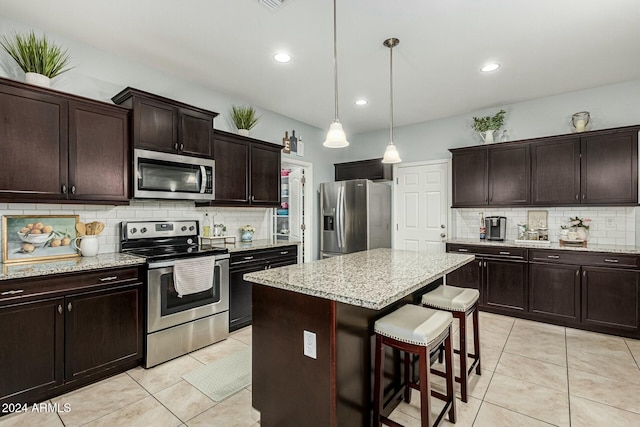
172, 176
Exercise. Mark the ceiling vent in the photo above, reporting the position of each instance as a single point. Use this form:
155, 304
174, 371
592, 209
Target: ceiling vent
272, 4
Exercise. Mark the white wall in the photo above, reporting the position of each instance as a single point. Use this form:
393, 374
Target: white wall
100, 75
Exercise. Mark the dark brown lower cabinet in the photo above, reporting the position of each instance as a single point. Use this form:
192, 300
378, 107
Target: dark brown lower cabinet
610, 299
467, 276
84, 332
505, 284
554, 291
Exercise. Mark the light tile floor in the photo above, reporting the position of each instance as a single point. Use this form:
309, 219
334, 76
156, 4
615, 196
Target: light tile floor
533, 374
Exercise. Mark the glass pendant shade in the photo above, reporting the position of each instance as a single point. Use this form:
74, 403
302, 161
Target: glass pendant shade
391, 154
336, 137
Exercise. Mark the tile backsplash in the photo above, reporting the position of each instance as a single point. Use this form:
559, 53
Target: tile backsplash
610, 225
111, 216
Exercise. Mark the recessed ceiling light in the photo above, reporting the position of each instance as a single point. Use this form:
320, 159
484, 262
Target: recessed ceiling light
490, 67
362, 102
282, 57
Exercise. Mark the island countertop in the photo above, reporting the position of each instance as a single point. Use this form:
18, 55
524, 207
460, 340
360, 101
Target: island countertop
370, 279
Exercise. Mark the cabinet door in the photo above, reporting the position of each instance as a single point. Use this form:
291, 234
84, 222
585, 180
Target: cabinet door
102, 329
610, 169
610, 298
372, 169
509, 175
554, 291
469, 172
265, 175
98, 153
231, 170
555, 172
31, 359
155, 125
467, 276
196, 133
505, 285
33, 148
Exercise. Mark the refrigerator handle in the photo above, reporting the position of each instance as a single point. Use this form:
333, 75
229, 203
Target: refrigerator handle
340, 217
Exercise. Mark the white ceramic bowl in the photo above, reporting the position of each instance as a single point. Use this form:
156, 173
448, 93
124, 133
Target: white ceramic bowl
34, 239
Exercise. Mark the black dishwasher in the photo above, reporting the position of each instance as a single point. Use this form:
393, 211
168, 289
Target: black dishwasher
240, 290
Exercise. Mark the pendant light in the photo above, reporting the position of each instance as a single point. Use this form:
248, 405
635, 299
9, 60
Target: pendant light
391, 154
335, 137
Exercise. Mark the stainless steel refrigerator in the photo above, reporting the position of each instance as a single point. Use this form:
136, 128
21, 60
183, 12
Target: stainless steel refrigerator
355, 215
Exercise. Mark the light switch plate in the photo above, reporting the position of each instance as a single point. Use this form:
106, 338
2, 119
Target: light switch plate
610, 223
309, 344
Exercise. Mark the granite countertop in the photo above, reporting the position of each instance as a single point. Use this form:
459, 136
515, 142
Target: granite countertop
371, 279
554, 245
16, 271
258, 244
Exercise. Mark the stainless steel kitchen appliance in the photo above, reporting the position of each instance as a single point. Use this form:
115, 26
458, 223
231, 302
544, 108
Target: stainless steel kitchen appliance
177, 324
496, 227
355, 215
172, 176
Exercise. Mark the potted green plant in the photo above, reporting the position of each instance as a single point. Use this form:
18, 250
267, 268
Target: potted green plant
487, 125
37, 56
245, 118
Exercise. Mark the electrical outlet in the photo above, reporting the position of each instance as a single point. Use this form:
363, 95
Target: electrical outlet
610, 223
309, 344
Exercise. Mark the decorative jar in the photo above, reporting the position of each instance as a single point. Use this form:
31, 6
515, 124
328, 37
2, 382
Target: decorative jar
246, 236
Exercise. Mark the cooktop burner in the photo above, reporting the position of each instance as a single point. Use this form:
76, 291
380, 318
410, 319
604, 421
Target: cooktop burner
164, 240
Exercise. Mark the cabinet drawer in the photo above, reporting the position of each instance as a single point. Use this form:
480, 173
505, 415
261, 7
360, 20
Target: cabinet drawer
492, 251
241, 258
586, 258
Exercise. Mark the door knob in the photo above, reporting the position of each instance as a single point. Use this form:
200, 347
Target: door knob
442, 226
443, 235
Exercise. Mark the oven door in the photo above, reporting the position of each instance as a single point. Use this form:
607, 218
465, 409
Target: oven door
166, 309
171, 176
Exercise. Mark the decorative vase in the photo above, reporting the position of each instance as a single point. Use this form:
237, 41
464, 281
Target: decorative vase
243, 132
246, 236
583, 233
487, 136
37, 79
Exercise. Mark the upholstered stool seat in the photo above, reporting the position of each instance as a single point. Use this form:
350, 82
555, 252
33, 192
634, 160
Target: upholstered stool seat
416, 330
461, 302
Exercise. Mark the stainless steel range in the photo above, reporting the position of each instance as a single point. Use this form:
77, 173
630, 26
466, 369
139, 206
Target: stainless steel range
178, 322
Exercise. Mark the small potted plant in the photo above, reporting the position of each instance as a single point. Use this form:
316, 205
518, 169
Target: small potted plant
247, 233
487, 125
37, 56
580, 226
245, 118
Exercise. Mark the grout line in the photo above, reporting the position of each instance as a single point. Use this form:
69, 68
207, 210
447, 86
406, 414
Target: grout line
632, 355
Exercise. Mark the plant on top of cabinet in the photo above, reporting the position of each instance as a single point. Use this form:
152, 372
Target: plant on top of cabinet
37, 56
245, 118
486, 125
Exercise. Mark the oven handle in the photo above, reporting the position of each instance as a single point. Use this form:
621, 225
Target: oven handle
171, 263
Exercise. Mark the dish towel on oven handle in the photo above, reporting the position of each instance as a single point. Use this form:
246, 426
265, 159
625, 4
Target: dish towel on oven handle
194, 275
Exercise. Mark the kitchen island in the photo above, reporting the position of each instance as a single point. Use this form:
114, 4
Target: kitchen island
334, 302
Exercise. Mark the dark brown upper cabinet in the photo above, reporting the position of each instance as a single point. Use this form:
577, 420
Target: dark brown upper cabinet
247, 171
59, 147
593, 168
555, 172
163, 124
372, 169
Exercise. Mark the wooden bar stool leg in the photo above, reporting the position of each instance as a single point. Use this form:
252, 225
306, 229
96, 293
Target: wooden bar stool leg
407, 376
476, 339
377, 388
462, 319
450, 372
425, 386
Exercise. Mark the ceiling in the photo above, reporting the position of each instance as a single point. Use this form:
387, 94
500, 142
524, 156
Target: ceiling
546, 47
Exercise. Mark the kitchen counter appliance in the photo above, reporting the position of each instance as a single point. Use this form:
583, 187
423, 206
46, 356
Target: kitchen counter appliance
496, 227
177, 324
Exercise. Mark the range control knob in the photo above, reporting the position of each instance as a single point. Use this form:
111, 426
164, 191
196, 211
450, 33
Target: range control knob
190, 242
133, 230
143, 230
184, 228
192, 228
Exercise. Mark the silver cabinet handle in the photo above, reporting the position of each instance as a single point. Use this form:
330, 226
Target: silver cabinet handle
18, 291
64, 188
577, 197
584, 274
108, 279
584, 197
463, 250
613, 260
60, 308
553, 256
284, 252
505, 253
175, 145
69, 307
479, 263
485, 264
247, 257
577, 273
73, 189
181, 147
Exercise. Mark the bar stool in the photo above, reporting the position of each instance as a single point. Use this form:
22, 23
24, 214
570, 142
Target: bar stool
461, 302
417, 330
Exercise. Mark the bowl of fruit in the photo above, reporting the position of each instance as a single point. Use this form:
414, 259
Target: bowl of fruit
37, 234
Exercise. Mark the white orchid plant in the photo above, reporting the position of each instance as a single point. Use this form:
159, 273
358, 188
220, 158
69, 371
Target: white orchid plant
579, 222
248, 228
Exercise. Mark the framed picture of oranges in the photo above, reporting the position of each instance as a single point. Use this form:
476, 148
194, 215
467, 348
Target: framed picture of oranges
29, 238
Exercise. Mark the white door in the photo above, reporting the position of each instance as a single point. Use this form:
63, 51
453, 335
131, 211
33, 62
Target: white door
296, 205
421, 207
